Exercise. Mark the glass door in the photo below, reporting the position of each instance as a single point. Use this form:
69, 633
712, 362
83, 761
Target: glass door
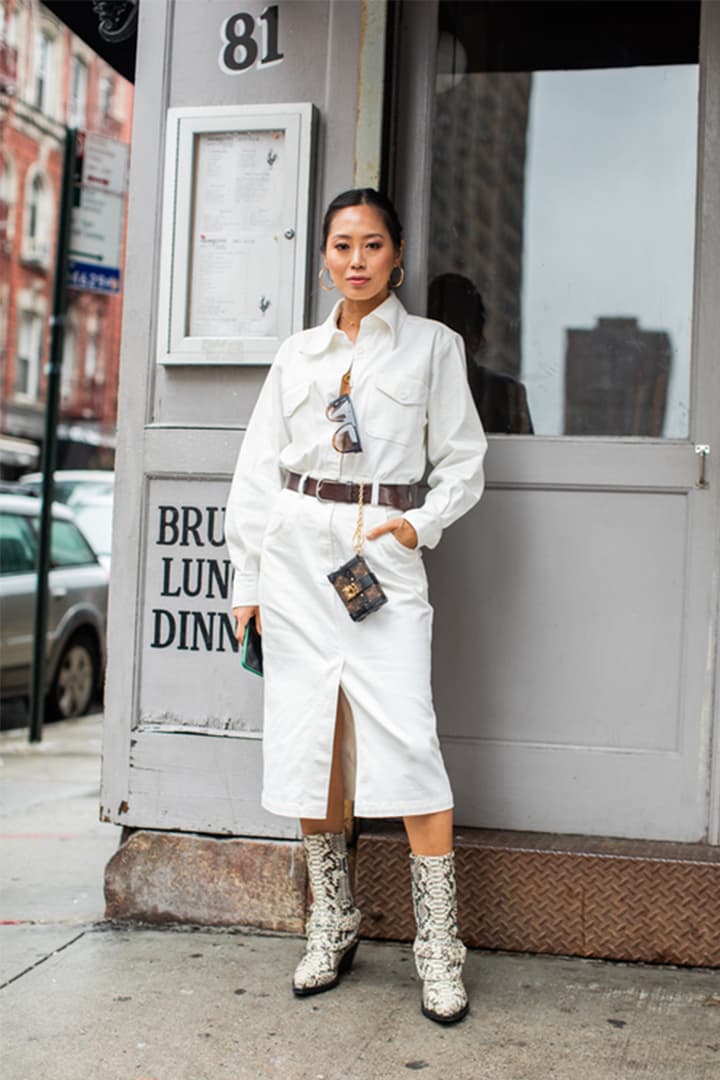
568, 163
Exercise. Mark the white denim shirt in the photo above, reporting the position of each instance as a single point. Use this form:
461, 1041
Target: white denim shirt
413, 405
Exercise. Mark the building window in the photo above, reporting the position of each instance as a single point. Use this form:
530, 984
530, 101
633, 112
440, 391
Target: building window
91, 351
11, 28
105, 98
35, 207
29, 351
43, 70
68, 546
38, 218
17, 545
67, 379
7, 201
8, 50
78, 93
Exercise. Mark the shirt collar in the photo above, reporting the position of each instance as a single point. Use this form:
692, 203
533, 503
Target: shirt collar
391, 313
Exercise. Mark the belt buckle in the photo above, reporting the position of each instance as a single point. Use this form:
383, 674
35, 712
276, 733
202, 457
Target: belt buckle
318, 488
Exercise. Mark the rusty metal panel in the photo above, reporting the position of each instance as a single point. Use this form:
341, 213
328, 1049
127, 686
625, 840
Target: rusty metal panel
621, 900
164, 877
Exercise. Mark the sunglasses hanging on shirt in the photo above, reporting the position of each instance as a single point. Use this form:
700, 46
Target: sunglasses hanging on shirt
346, 440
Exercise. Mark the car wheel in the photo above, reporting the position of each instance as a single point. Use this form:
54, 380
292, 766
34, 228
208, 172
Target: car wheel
75, 679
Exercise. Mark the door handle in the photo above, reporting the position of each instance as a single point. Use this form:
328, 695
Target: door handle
702, 450
58, 592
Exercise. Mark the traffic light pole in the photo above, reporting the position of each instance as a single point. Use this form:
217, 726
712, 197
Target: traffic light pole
49, 450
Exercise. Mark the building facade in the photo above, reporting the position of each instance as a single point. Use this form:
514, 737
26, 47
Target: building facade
50, 80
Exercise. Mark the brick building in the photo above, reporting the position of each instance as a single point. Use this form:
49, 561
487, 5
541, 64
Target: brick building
50, 79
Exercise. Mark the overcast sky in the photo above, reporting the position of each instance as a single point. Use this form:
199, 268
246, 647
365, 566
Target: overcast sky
609, 219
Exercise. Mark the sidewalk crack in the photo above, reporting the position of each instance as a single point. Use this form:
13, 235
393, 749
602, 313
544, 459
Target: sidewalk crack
42, 960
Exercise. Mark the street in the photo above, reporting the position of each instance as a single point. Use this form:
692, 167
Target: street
87, 1000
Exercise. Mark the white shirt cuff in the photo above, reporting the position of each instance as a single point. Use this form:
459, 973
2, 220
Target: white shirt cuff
245, 590
426, 525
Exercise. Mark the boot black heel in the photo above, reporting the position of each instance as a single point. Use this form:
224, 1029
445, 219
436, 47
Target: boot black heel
347, 961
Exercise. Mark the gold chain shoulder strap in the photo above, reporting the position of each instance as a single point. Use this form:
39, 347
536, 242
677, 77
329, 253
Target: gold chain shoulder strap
345, 384
359, 535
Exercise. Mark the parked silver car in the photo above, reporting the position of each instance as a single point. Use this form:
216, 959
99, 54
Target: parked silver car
77, 608
73, 484
94, 515
89, 494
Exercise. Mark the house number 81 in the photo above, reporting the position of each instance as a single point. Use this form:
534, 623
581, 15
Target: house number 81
239, 50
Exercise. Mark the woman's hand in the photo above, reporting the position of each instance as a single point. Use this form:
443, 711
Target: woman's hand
243, 615
404, 532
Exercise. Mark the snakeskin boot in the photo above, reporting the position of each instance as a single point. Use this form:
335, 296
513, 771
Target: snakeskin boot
439, 953
333, 922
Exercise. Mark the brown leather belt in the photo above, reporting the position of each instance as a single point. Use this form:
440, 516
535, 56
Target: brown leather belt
400, 496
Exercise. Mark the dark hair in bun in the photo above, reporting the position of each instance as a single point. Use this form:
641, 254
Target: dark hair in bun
364, 197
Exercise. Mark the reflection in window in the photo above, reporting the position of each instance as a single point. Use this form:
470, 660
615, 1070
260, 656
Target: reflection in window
562, 213
616, 379
500, 398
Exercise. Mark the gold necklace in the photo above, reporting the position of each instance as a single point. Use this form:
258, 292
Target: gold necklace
346, 320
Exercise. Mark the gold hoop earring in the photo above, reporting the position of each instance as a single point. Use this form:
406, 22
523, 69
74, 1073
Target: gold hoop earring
327, 288
398, 283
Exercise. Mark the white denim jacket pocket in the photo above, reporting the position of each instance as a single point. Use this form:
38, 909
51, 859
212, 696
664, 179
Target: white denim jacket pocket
398, 408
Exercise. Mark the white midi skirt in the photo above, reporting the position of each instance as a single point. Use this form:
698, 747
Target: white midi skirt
313, 650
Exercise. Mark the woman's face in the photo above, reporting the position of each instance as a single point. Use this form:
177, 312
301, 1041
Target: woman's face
360, 255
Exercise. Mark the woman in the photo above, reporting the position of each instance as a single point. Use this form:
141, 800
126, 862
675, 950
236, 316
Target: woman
348, 704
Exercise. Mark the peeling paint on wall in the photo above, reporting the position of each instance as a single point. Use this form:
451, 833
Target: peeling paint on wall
371, 86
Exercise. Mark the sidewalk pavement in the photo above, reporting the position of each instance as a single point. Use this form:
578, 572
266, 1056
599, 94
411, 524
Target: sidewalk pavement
86, 1000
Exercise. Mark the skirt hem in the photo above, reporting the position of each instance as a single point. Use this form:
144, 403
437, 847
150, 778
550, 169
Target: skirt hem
394, 811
